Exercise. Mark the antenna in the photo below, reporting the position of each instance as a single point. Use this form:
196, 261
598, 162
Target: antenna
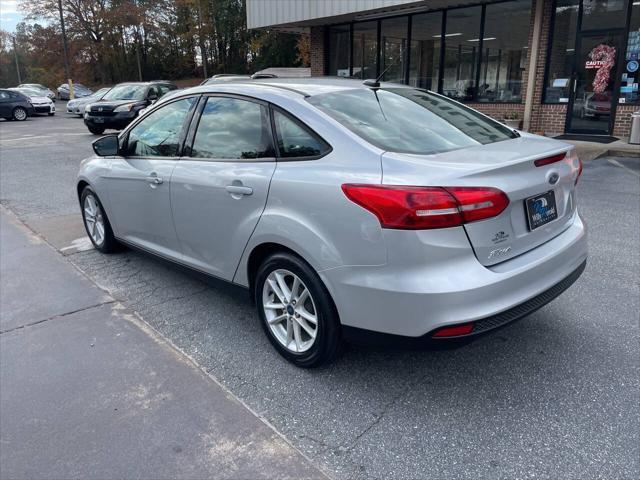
376, 83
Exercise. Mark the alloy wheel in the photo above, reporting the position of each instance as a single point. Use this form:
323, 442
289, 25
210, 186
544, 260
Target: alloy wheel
20, 114
290, 311
93, 219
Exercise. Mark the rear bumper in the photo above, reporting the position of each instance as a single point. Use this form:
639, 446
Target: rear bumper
414, 295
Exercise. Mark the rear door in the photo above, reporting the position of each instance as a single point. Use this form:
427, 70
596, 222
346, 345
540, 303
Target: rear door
139, 181
5, 104
219, 188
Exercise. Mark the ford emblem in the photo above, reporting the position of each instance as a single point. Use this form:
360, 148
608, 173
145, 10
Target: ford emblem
553, 178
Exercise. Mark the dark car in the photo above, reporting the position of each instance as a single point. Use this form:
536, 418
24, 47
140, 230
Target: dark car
15, 106
79, 91
122, 103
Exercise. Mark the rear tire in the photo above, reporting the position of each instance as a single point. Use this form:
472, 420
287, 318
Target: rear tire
19, 114
290, 329
96, 131
96, 222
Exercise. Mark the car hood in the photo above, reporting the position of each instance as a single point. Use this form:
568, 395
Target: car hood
117, 103
39, 99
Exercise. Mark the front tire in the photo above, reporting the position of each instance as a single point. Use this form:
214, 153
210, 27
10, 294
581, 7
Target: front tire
51, 114
19, 114
96, 130
296, 311
96, 222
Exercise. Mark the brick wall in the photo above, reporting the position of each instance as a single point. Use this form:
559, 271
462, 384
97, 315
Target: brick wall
498, 110
316, 48
622, 126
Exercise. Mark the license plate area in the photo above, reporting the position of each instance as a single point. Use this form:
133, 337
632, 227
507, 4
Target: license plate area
98, 120
541, 209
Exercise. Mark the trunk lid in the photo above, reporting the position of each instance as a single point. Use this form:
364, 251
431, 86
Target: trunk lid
509, 166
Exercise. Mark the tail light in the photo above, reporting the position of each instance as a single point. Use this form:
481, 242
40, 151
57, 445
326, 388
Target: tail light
421, 208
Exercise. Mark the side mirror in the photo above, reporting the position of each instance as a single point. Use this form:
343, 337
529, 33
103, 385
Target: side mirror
106, 146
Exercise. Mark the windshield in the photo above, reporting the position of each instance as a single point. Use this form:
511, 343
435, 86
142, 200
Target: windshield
126, 92
409, 120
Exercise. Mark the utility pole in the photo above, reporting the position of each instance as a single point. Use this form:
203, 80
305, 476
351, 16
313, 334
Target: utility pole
203, 55
65, 50
15, 53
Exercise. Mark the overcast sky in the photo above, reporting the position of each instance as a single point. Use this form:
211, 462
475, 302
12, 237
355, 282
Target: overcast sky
9, 15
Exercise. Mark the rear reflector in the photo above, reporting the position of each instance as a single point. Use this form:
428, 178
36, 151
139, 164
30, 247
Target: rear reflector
421, 208
541, 162
454, 331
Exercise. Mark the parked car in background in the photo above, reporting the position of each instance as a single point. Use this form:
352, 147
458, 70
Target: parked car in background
37, 86
40, 103
120, 105
79, 91
351, 210
14, 105
76, 106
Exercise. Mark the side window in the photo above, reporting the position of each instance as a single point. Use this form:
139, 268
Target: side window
232, 128
296, 140
163, 89
158, 135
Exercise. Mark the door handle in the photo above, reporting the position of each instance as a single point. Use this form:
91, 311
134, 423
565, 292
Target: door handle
239, 190
154, 179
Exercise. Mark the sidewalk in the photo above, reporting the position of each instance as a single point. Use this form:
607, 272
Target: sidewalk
88, 391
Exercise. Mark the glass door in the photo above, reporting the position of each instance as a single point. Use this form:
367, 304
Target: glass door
591, 105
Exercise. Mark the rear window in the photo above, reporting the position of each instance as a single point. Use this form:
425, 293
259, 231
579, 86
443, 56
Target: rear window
410, 120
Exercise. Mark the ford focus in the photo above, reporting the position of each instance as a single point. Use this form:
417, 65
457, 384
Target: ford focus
351, 211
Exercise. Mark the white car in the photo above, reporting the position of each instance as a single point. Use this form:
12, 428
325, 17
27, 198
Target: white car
41, 103
76, 106
44, 91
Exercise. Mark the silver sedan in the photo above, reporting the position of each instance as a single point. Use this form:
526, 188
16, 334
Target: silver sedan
351, 211
76, 106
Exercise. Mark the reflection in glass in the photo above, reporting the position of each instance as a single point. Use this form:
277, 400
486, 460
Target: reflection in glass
425, 50
394, 48
506, 34
365, 45
462, 38
339, 50
562, 52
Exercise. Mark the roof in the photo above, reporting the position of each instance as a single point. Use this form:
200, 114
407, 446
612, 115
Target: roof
311, 85
265, 13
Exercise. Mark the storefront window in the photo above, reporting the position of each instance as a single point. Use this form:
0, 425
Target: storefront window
562, 52
504, 51
603, 14
393, 36
365, 49
631, 66
425, 50
462, 37
339, 48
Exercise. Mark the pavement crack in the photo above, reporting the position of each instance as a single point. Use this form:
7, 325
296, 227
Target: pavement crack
53, 317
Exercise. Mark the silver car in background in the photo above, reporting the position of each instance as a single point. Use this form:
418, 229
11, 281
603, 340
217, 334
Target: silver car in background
44, 91
351, 211
77, 105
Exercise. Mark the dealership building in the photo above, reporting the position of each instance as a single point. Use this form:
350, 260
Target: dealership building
559, 66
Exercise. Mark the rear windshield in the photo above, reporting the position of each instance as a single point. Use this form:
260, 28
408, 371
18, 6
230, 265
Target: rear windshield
410, 120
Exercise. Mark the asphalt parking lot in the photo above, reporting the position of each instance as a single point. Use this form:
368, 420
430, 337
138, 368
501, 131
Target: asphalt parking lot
555, 395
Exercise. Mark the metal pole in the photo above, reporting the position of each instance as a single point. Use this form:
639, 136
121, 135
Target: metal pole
64, 42
203, 55
15, 53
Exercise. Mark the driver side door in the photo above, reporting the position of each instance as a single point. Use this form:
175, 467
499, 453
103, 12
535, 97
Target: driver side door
139, 181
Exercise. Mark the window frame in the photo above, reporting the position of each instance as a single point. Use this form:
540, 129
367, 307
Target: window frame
272, 110
123, 138
195, 122
440, 79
